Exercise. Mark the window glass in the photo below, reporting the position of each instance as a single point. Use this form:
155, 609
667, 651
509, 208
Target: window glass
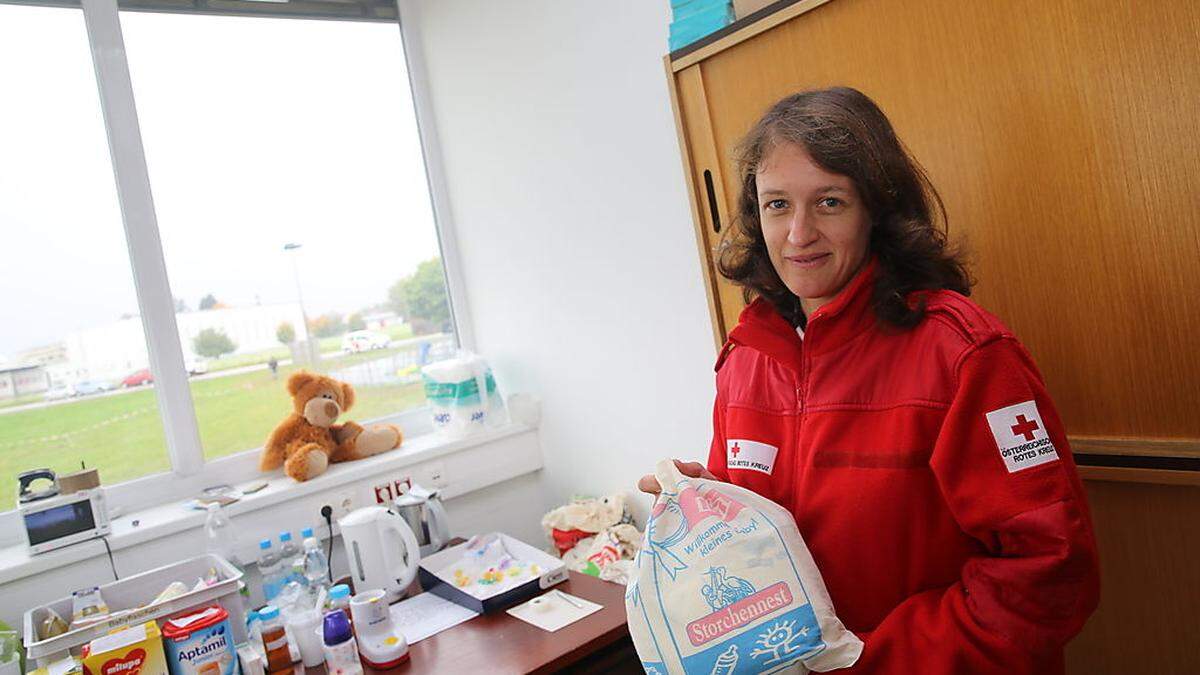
74, 388
294, 212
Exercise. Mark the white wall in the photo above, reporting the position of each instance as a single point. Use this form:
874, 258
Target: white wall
570, 206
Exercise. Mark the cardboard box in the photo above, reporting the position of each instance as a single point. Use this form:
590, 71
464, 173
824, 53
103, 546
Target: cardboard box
136, 650
744, 8
553, 571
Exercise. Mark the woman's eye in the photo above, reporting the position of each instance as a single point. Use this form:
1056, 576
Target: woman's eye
830, 202
776, 204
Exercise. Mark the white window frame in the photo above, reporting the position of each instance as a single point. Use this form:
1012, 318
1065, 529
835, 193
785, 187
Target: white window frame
189, 471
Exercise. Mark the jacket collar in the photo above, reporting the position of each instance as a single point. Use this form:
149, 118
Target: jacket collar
848, 314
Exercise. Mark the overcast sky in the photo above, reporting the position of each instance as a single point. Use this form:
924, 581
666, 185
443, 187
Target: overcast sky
258, 132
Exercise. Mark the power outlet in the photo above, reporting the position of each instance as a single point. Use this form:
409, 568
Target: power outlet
343, 504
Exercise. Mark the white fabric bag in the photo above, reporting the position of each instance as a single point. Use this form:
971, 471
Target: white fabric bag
724, 584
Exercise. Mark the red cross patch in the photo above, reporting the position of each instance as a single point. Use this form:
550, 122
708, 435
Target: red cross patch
1021, 437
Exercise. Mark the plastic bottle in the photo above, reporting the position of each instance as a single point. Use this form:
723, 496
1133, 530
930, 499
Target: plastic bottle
341, 651
268, 567
339, 598
254, 630
279, 656
289, 552
221, 539
316, 566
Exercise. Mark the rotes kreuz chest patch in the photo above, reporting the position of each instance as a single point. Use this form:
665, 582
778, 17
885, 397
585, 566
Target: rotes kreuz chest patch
750, 455
1021, 436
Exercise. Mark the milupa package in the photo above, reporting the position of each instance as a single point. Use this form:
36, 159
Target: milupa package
724, 584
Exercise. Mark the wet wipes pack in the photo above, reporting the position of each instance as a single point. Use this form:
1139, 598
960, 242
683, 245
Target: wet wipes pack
724, 584
201, 643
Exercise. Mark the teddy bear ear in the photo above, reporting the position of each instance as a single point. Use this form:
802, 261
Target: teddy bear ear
347, 396
297, 381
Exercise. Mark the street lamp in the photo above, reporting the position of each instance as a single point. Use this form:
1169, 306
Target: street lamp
299, 295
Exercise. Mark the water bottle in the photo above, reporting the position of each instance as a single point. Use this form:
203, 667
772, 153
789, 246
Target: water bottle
268, 567
316, 566
289, 553
220, 537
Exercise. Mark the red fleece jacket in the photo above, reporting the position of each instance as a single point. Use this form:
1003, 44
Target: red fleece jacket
928, 472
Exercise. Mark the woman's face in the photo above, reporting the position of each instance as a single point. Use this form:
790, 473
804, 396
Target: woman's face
816, 227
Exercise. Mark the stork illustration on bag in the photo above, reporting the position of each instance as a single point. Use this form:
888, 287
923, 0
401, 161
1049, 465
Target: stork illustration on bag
724, 589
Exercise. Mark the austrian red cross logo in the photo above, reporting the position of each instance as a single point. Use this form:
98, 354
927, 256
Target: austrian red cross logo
735, 449
1024, 428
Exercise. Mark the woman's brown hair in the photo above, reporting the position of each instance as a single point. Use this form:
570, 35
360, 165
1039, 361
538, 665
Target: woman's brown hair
846, 133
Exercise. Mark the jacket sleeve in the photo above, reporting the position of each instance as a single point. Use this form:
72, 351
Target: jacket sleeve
1003, 465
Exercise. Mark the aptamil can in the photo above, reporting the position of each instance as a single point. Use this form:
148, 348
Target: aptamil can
200, 643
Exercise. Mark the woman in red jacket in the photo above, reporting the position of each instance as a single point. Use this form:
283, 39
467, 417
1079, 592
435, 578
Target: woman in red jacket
905, 428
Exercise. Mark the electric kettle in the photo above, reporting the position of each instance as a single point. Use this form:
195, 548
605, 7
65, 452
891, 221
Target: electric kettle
424, 512
381, 549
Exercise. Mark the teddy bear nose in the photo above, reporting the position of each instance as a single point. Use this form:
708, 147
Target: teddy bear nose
331, 409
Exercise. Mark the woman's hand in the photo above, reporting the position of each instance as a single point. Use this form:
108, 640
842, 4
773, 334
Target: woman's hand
649, 484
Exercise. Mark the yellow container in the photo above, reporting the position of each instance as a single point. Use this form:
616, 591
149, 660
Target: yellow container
137, 650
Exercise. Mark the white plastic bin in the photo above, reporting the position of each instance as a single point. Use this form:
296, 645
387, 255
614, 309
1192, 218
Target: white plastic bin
140, 590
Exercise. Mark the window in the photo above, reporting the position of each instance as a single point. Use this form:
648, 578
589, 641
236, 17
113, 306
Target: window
289, 183
71, 332
291, 211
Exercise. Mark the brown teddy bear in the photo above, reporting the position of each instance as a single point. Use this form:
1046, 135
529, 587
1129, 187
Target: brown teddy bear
308, 440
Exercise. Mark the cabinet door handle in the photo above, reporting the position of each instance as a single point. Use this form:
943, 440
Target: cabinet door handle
712, 201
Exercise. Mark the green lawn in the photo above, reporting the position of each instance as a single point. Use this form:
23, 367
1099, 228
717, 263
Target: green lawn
122, 435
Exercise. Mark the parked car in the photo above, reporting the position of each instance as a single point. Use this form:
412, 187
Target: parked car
89, 387
364, 340
138, 378
58, 393
196, 366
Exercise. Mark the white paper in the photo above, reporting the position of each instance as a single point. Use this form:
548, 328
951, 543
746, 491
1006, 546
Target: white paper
427, 614
553, 610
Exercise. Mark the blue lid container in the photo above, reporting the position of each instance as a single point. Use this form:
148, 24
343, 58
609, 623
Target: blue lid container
336, 627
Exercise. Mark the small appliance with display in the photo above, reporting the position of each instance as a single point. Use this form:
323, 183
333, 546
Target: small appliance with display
54, 520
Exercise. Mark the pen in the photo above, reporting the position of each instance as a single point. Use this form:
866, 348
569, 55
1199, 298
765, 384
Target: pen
568, 598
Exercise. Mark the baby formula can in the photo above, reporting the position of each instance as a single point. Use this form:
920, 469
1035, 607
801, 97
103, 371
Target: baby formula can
200, 643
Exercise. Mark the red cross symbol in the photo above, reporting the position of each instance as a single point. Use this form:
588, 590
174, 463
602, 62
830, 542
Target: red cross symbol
1024, 428
735, 449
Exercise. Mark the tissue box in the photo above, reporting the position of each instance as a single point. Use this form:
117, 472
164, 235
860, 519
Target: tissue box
553, 571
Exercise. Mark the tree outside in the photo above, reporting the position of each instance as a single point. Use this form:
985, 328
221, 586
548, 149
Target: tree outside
208, 302
356, 322
212, 343
421, 298
285, 333
327, 325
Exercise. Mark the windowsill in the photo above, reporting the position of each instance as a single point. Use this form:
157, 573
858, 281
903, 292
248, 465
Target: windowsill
167, 519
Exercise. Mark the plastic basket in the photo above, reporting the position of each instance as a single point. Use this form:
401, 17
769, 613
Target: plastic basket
140, 590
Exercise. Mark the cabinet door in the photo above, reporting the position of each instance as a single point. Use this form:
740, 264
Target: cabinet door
706, 169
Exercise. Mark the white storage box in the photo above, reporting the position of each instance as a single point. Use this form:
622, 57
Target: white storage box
140, 590
554, 571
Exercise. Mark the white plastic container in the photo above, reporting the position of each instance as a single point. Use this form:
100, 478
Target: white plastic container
462, 396
140, 590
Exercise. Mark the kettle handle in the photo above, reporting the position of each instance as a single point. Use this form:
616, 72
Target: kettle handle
412, 552
441, 522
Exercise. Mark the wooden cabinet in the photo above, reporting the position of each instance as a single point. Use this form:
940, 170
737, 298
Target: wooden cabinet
1064, 137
